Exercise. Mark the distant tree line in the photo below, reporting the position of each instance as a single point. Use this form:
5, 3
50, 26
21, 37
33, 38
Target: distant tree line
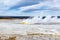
14, 17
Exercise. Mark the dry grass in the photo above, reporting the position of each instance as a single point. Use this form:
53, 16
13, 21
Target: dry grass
30, 36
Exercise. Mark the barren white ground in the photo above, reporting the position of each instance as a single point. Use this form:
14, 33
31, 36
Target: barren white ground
13, 27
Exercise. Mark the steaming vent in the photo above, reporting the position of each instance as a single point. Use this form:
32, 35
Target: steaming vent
42, 19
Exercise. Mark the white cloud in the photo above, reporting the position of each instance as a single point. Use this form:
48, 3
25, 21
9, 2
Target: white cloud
13, 3
52, 4
33, 7
9, 3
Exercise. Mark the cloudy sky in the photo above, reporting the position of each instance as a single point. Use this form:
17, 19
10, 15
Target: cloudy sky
29, 7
